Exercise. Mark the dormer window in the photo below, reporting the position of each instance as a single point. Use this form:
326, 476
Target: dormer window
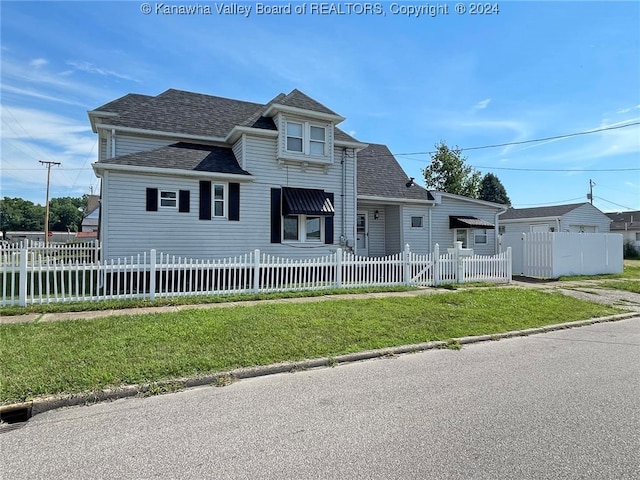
305, 138
295, 138
317, 140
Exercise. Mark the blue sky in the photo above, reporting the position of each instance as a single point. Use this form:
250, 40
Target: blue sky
534, 70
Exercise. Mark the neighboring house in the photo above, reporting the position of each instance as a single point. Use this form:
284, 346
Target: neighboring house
628, 224
91, 214
577, 217
201, 176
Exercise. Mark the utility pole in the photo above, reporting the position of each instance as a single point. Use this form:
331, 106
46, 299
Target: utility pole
46, 207
590, 195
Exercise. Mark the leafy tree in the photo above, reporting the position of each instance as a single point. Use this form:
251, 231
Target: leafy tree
449, 173
65, 213
492, 190
17, 214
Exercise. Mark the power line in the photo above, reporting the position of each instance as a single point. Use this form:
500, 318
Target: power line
613, 203
522, 142
556, 202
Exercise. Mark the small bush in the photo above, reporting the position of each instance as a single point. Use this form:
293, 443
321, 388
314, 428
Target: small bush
629, 251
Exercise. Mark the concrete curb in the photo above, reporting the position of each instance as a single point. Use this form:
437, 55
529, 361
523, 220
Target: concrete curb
44, 404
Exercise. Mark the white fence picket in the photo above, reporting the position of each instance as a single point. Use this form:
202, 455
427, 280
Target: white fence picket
43, 276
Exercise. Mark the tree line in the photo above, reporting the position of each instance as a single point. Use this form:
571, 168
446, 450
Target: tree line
65, 214
450, 173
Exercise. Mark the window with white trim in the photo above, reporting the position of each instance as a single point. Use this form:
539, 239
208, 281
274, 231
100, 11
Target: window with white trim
218, 200
168, 198
306, 138
480, 236
317, 140
295, 138
302, 228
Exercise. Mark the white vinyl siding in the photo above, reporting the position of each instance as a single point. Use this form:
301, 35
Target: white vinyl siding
128, 229
444, 237
126, 144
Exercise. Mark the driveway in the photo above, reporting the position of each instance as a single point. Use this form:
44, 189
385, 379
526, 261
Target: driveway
561, 405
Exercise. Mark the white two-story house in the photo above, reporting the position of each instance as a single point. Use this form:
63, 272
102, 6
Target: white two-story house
201, 176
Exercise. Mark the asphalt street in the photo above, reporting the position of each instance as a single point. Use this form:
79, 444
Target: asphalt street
560, 405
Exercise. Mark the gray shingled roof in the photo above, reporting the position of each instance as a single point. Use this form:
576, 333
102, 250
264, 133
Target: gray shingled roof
184, 156
625, 220
551, 211
380, 175
299, 100
182, 112
124, 104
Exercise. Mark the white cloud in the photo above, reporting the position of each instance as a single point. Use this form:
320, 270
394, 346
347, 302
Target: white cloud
32, 135
38, 62
482, 105
88, 67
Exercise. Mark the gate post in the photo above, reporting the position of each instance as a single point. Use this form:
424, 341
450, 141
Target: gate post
406, 257
436, 265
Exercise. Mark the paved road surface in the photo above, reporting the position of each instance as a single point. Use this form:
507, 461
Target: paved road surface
562, 405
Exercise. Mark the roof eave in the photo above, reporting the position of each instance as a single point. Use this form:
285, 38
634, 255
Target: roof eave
99, 168
347, 144
276, 107
238, 130
394, 200
497, 206
160, 133
530, 219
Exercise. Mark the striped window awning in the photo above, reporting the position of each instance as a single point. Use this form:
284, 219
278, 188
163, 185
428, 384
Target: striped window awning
303, 201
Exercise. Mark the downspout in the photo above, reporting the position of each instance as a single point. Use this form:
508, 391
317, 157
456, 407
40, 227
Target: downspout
430, 240
113, 142
343, 238
557, 224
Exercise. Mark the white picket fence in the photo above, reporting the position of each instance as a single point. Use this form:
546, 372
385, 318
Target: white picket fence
29, 277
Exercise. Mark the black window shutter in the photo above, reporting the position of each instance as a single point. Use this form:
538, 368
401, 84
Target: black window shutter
184, 201
328, 224
152, 199
205, 200
276, 216
234, 201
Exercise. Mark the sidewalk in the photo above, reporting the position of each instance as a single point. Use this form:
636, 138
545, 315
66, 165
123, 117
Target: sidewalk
582, 289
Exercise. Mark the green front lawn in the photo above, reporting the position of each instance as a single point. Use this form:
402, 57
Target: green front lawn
74, 356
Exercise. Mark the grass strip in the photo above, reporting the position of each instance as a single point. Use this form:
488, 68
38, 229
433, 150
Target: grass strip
632, 286
76, 356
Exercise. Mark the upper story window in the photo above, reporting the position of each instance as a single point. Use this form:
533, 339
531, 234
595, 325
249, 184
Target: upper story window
317, 140
306, 138
294, 137
168, 198
219, 200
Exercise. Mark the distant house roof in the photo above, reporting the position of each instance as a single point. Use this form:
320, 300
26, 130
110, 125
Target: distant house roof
198, 114
380, 175
537, 212
622, 221
184, 156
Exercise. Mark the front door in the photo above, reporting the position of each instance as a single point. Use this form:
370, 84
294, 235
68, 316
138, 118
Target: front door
361, 234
